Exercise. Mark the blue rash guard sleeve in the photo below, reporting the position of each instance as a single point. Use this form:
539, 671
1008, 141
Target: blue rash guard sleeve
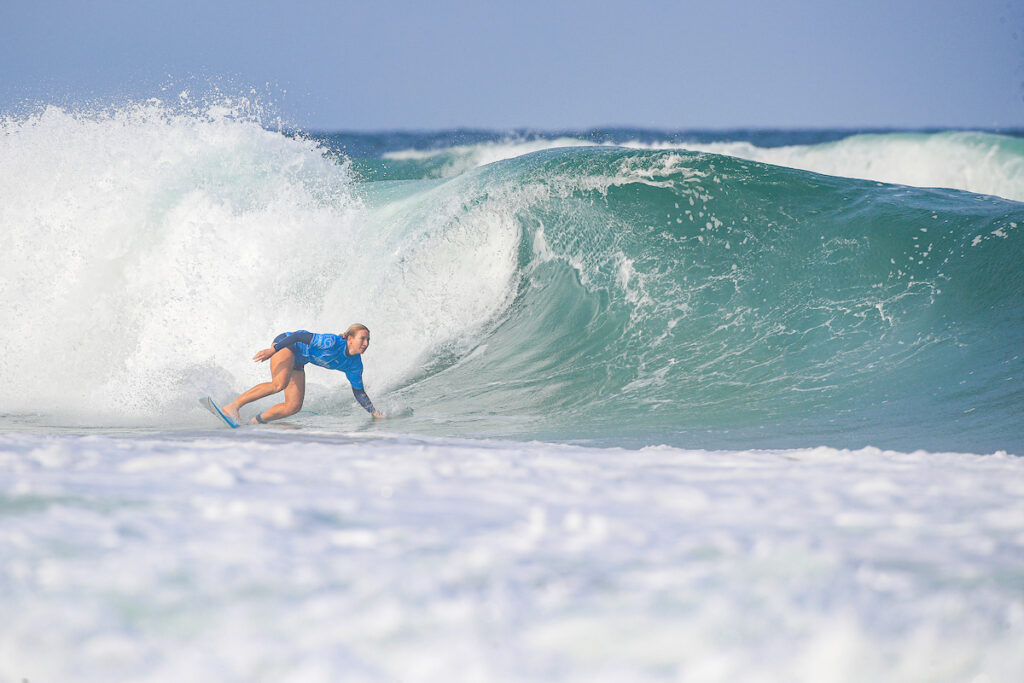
300, 336
364, 400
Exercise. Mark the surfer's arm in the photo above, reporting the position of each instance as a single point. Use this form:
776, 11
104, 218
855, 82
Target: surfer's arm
365, 402
300, 336
295, 337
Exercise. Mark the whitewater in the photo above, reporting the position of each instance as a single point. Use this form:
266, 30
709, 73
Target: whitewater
661, 406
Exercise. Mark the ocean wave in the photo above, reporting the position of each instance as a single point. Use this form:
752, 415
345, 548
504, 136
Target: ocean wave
985, 163
666, 293
605, 294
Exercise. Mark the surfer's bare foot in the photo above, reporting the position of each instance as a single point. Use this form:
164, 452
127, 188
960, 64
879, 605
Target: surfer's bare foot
231, 412
254, 421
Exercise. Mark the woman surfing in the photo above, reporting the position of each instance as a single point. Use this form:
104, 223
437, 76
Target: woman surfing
289, 354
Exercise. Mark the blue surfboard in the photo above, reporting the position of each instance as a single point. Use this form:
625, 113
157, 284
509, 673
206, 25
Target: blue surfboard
208, 403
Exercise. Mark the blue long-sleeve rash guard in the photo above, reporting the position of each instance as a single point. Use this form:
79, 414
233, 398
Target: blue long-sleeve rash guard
328, 351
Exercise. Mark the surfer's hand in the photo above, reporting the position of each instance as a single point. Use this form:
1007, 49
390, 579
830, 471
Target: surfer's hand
263, 355
378, 415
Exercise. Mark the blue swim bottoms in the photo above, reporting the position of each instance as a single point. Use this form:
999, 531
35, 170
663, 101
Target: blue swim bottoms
299, 364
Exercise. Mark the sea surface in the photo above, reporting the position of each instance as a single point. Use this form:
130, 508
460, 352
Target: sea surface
661, 405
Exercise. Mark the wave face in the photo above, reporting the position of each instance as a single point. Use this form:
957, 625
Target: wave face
676, 297
609, 295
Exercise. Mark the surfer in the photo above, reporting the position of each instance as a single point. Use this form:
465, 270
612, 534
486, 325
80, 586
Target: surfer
289, 354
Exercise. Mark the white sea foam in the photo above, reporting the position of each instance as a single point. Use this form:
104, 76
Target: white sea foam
138, 240
277, 555
150, 251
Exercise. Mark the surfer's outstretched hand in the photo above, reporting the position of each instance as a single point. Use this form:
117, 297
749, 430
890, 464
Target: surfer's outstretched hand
263, 355
378, 416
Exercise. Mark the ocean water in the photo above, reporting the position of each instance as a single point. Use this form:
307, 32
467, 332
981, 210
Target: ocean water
662, 405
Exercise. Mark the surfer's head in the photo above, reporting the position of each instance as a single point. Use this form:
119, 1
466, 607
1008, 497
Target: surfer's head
358, 338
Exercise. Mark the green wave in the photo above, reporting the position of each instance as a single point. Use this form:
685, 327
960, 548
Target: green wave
703, 300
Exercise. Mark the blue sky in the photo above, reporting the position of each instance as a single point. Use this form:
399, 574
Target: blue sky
380, 64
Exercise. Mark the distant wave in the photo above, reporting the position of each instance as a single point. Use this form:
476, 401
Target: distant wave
986, 163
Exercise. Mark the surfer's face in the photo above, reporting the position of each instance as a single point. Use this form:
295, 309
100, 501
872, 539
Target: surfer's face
357, 342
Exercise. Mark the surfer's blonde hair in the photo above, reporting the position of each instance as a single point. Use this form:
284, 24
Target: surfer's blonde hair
353, 328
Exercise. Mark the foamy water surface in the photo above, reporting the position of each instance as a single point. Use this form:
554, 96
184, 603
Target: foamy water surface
272, 554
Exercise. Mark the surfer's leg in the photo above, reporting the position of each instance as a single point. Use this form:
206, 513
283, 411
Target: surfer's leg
294, 393
281, 370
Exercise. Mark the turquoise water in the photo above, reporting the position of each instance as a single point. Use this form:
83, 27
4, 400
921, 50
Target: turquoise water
692, 298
